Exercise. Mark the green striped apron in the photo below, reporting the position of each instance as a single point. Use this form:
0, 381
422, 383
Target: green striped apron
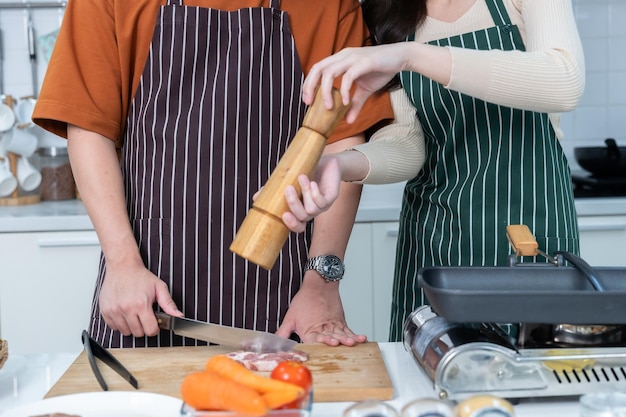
487, 166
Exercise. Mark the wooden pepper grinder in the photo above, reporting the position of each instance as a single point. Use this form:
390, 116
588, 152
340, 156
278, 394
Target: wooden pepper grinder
262, 234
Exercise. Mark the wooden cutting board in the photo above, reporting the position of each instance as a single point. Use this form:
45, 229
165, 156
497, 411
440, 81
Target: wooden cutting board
339, 373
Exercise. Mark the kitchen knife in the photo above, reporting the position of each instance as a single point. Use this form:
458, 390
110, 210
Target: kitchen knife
244, 339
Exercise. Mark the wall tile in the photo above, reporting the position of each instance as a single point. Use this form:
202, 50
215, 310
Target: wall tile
617, 124
590, 123
616, 47
617, 92
596, 54
592, 17
17, 79
601, 25
617, 18
596, 90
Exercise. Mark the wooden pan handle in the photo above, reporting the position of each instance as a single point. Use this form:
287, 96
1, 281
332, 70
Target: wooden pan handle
262, 234
522, 240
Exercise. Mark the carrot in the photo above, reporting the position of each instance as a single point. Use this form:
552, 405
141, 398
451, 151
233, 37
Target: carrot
209, 391
230, 368
278, 399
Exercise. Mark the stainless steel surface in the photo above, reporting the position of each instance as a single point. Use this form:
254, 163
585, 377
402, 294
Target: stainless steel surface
461, 363
587, 335
431, 338
224, 335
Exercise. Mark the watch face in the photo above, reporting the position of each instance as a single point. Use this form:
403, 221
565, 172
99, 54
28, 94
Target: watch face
332, 267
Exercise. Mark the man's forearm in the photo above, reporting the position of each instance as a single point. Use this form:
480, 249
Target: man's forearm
97, 173
332, 229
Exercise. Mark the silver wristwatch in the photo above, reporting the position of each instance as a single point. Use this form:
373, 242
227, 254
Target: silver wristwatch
330, 267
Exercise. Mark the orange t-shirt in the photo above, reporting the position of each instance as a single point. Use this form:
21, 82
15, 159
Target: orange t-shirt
102, 47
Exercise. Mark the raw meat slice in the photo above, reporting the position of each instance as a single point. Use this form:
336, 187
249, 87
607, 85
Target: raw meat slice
266, 362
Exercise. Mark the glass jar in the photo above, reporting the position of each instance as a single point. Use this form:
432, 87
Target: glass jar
57, 181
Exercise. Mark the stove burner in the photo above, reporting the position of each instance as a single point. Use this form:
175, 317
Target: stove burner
568, 336
587, 185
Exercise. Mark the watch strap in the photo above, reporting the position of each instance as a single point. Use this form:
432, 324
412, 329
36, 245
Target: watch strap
316, 263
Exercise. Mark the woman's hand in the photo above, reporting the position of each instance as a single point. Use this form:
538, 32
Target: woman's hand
368, 69
317, 197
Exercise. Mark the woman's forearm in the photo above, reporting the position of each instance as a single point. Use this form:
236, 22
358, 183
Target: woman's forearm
394, 153
354, 165
548, 76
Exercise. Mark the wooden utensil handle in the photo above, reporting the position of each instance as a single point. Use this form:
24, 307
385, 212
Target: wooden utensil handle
262, 234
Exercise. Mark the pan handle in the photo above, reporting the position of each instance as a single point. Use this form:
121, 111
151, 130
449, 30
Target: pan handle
612, 151
583, 267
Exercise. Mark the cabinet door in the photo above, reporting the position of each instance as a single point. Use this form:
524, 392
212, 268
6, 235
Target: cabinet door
603, 240
356, 286
384, 238
46, 288
367, 285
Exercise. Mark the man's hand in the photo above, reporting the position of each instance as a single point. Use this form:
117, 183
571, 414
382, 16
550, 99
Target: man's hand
127, 297
316, 315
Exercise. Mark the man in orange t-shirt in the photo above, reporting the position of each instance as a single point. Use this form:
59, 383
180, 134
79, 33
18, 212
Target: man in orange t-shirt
175, 114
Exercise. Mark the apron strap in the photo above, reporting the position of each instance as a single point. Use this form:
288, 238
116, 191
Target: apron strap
274, 4
498, 12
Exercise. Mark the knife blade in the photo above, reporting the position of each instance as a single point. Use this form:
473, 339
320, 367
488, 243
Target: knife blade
251, 340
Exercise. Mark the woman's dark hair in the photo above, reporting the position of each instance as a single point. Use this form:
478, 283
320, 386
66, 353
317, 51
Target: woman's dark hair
392, 21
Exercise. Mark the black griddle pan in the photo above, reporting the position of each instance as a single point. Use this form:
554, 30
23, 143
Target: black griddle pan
526, 293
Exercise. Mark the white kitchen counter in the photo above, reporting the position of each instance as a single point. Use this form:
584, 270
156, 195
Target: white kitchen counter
46, 216
27, 378
379, 204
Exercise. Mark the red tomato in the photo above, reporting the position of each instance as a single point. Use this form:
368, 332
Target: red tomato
297, 374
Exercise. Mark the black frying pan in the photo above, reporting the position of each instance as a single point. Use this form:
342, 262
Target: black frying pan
608, 161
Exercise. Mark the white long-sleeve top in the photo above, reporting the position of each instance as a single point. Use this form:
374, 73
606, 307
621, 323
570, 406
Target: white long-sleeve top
548, 77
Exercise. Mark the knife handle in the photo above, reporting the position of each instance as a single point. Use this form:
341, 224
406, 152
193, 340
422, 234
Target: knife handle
164, 320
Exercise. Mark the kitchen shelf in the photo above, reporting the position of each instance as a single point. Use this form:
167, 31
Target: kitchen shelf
34, 5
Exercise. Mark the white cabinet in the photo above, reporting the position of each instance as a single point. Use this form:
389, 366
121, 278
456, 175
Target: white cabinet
367, 284
356, 287
47, 281
384, 238
603, 240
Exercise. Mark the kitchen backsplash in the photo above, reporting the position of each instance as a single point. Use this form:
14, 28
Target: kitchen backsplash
17, 80
601, 113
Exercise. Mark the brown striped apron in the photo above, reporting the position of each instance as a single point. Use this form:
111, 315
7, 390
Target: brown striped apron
217, 105
487, 166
